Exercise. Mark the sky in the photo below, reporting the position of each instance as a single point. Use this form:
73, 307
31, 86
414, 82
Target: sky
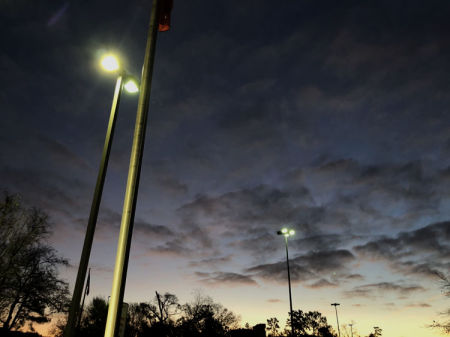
328, 117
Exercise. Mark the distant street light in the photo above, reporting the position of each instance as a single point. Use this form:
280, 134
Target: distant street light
351, 329
287, 233
337, 320
109, 63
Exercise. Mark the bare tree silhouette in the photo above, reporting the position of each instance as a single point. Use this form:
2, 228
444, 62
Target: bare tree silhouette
30, 289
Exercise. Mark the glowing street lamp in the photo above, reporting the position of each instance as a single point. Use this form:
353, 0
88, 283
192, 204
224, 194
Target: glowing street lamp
109, 63
287, 233
131, 85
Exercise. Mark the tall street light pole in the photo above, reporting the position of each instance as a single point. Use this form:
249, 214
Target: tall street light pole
129, 206
337, 320
351, 329
286, 233
111, 64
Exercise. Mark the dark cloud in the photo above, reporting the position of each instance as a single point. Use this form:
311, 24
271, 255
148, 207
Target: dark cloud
151, 230
188, 244
248, 218
360, 195
61, 153
326, 260
55, 193
172, 247
360, 199
355, 277
311, 266
161, 175
347, 196
277, 272
211, 262
423, 252
377, 289
321, 241
418, 305
221, 278
322, 283
172, 185
260, 205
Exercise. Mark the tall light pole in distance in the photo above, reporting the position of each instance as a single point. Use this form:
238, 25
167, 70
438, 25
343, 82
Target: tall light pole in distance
351, 329
109, 63
337, 320
287, 233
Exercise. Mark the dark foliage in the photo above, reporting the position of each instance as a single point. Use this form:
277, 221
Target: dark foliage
273, 326
30, 289
19, 334
310, 323
94, 318
200, 318
444, 326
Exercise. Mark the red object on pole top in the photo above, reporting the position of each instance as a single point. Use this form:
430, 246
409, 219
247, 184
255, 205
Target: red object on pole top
164, 15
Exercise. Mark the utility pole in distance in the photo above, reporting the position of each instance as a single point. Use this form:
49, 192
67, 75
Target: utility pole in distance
337, 320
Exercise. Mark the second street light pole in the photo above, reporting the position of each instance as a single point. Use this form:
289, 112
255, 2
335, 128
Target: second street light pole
90, 230
337, 320
129, 206
286, 233
289, 282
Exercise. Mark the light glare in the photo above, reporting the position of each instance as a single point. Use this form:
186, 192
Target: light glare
110, 63
284, 230
131, 86
291, 232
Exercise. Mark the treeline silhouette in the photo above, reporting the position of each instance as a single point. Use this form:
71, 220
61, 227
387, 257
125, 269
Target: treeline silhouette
165, 316
162, 316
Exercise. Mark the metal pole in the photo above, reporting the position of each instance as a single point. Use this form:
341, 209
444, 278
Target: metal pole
289, 282
82, 304
90, 229
351, 329
129, 206
337, 320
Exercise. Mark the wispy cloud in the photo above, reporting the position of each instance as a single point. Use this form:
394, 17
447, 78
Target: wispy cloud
377, 289
422, 252
311, 266
225, 278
